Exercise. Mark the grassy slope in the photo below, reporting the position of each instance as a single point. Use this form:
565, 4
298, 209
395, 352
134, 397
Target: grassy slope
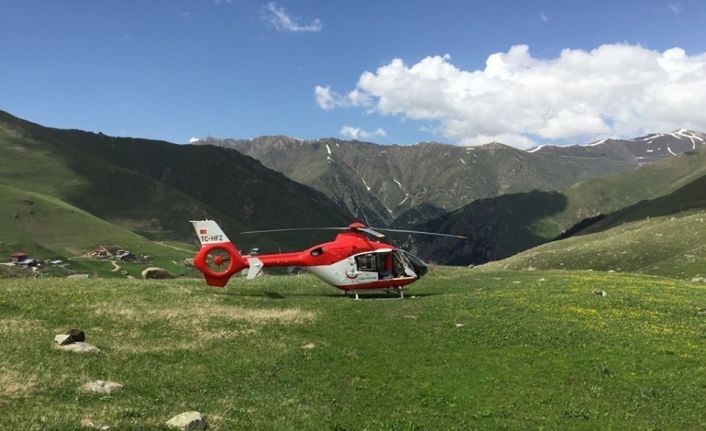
689, 197
154, 187
31, 159
536, 350
671, 246
48, 227
663, 236
503, 226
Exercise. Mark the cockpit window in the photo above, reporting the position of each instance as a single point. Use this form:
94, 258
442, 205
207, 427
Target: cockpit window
419, 267
368, 262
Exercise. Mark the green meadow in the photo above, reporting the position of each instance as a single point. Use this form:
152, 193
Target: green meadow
465, 350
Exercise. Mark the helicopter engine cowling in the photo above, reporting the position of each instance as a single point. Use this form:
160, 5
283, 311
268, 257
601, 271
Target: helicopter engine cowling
218, 262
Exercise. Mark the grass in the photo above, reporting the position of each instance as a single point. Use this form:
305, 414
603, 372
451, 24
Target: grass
46, 227
504, 350
672, 246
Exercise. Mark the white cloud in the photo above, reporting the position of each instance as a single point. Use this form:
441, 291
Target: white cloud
193, 140
357, 133
676, 7
325, 98
543, 16
616, 89
328, 99
278, 17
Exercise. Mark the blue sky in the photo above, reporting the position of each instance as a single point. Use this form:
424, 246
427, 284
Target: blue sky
190, 68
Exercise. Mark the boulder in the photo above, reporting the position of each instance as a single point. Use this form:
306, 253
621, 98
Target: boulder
76, 335
103, 387
187, 421
78, 276
79, 347
73, 336
599, 292
156, 273
697, 280
62, 339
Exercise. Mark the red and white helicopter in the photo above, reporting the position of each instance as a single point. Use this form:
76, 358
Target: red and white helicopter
351, 262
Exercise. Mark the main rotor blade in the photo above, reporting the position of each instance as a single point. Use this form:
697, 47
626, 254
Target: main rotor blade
369, 231
418, 232
293, 229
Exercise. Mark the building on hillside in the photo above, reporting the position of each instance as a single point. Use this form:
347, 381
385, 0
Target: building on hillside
18, 256
125, 255
28, 262
101, 252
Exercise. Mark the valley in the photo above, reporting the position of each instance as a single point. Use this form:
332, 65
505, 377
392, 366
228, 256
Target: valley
66, 192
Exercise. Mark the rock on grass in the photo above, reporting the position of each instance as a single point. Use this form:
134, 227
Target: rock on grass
103, 387
187, 421
79, 348
156, 273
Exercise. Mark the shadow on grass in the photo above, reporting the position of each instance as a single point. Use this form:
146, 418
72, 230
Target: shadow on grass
278, 296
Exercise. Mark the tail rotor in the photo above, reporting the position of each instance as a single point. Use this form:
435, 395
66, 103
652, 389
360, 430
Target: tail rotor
218, 258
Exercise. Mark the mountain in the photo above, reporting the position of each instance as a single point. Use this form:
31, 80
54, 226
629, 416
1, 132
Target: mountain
655, 146
153, 188
506, 225
400, 185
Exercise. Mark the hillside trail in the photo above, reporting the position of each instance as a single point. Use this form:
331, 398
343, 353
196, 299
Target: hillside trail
116, 267
173, 247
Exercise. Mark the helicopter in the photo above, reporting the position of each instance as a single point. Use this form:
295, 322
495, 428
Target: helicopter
351, 262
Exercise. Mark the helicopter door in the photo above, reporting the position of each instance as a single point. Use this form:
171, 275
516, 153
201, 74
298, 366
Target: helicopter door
402, 265
367, 268
382, 265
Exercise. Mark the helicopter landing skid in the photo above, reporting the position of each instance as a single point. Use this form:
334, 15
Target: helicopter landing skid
400, 291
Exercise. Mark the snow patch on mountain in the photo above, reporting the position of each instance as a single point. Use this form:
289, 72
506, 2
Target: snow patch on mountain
535, 149
598, 142
365, 184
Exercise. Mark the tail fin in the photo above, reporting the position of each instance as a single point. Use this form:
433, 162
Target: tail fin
209, 232
211, 259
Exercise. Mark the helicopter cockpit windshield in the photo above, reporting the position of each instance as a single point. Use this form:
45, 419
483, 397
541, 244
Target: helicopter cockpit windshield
419, 267
391, 264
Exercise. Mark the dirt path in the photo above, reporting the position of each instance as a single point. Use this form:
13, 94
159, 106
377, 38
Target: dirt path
174, 247
116, 267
